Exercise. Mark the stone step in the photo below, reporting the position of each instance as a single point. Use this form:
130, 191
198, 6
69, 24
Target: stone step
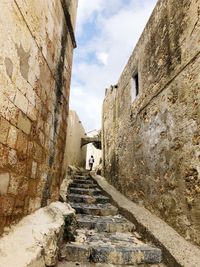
89, 181
105, 223
126, 255
87, 264
82, 177
95, 209
77, 252
85, 191
78, 198
118, 248
82, 185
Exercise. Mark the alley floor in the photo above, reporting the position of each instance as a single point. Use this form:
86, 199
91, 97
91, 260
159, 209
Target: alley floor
104, 237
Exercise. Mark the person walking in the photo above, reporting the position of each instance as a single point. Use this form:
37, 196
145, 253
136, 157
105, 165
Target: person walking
91, 162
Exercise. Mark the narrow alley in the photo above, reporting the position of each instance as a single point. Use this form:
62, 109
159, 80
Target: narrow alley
100, 133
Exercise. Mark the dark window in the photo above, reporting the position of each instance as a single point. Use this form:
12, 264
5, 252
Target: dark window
136, 78
134, 86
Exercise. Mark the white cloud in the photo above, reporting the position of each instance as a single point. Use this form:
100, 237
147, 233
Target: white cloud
86, 11
102, 57
117, 27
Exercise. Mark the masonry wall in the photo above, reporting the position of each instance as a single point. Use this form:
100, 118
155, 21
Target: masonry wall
36, 47
75, 155
152, 144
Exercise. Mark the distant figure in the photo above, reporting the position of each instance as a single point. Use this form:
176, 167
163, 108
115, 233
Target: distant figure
91, 162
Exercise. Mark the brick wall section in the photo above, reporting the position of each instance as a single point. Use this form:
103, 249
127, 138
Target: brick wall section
35, 71
152, 145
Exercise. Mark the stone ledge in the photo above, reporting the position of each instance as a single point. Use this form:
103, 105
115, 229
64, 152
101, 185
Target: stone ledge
177, 252
34, 241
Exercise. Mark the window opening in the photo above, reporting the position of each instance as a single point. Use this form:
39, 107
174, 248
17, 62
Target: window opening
134, 86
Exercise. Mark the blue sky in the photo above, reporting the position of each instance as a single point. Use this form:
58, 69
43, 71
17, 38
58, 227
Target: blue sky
106, 32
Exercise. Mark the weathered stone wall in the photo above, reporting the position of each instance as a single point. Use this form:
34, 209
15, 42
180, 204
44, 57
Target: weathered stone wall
36, 48
75, 155
152, 145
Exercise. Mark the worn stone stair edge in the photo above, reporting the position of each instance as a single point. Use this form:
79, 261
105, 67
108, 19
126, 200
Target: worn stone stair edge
76, 264
35, 240
101, 254
177, 252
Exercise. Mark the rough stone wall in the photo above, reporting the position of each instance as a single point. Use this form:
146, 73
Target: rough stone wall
35, 69
152, 145
75, 155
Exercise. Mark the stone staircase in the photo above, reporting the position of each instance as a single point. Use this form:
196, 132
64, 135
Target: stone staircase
104, 237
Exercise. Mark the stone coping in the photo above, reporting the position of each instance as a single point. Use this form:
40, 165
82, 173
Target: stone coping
177, 252
34, 241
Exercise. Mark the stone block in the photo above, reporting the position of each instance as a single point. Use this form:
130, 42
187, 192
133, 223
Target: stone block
21, 166
12, 157
3, 156
42, 138
18, 185
18, 207
24, 123
77, 252
84, 191
38, 153
31, 95
12, 113
6, 205
4, 182
92, 209
21, 101
109, 224
32, 112
12, 136
4, 128
3, 104
22, 142
34, 170
7, 87
36, 238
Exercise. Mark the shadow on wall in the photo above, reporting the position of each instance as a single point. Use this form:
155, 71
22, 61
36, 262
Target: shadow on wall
75, 155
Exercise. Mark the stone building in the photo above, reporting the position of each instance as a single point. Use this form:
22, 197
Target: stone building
36, 48
75, 154
151, 119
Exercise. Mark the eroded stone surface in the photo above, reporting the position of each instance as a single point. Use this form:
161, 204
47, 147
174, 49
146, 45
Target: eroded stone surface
35, 71
151, 141
104, 236
116, 248
105, 223
36, 240
84, 191
78, 264
87, 199
176, 250
95, 209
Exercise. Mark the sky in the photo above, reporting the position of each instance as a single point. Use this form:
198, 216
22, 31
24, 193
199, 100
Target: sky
106, 34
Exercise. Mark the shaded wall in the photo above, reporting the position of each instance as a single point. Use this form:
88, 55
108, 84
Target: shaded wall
152, 144
36, 47
75, 155
93, 151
